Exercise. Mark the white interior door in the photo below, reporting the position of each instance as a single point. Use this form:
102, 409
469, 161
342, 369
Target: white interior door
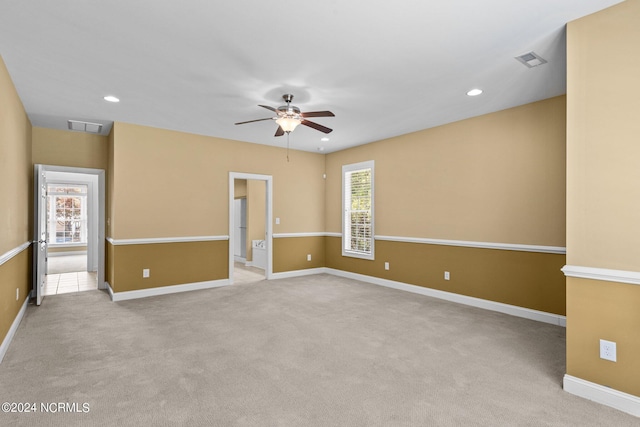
40, 231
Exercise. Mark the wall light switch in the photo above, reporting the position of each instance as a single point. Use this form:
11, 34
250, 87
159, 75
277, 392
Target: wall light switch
308, 257
277, 221
145, 273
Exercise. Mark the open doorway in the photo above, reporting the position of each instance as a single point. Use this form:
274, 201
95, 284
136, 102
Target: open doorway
250, 228
70, 217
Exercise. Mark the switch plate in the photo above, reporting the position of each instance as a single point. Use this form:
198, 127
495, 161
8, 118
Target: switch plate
386, 265
608, 350
447, 276
277, 221
17, 294
145, 273
308, 257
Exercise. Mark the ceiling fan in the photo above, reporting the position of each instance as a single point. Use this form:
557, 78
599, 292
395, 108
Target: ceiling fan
289, 116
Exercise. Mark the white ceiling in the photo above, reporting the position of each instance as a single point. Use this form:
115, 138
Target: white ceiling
384, 68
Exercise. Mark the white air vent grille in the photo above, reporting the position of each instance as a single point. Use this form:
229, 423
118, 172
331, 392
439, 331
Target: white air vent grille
84, 126
531, 59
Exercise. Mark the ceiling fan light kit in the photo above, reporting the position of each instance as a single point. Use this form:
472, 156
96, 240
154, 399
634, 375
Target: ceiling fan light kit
288, 117
288, 124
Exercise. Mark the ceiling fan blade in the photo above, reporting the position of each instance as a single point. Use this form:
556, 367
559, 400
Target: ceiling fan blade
316, 126
268, 108
251, 121
318, 114
279, 132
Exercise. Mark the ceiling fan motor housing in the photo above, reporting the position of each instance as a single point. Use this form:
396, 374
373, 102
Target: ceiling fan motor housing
288, 110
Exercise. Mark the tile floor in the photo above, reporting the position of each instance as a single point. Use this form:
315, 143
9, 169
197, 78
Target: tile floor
244, 274
64, 283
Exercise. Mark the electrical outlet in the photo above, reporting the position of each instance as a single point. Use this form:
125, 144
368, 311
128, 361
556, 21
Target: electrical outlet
308, 257
447, 276
386, 265
145, 273
277, 221
608, 350
17, 294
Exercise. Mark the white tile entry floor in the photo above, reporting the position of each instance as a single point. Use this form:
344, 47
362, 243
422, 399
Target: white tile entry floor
243, 274
64, 283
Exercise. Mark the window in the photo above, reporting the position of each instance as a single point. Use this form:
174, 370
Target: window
357, 207
67, 214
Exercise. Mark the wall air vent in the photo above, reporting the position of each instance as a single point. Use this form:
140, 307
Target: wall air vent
531, 59
84, 126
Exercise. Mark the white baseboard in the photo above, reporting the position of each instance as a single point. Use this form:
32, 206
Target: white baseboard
604, 395
299, 273
527, 313
239, 259
67, 253
12, 330
164, 290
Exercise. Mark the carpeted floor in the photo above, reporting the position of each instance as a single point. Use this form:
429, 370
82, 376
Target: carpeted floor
312, 351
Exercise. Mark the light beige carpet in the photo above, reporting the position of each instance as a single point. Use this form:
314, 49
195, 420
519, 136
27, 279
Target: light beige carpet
313, 351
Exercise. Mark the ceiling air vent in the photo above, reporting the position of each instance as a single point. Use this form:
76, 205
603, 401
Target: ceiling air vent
531, 59
84, 126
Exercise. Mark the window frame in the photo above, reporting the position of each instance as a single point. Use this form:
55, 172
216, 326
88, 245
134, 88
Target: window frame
346, 225
52, 194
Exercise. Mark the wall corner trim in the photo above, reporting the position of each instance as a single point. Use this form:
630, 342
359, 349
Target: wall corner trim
12, 330
604, 395
13, 252
603, 274
164, 290
154, 240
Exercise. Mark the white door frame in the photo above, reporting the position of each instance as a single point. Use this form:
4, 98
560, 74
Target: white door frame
269, 215
101, 196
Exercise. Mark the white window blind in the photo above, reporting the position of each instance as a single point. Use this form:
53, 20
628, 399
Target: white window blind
357, 202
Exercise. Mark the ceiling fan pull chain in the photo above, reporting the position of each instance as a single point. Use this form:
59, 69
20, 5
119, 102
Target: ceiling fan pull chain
288, 146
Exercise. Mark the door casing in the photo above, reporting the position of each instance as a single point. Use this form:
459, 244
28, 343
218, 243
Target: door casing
269, 216
101, 204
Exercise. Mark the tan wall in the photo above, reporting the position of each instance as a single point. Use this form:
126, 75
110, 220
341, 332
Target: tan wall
67, 148
494, 178
168, 263
290, 253
524, 279
16, 177
16, 173
603, 195
603, 310
150, 165
172, 184
239, 188
256, 213
14, 274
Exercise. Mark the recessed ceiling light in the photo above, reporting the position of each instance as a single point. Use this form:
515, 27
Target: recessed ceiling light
111, 98
325, 139
474, 92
